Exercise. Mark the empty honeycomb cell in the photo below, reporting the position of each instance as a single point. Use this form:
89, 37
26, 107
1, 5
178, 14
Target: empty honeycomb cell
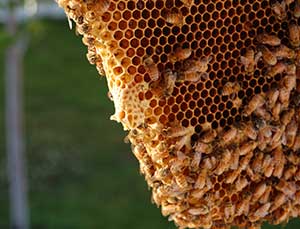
112, 26
106, 16
180, 116
183, 90
201, 120
118, 35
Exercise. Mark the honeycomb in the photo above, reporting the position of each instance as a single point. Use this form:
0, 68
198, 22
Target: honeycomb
209, 92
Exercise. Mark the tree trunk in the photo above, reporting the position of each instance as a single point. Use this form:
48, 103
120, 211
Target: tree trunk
14, 128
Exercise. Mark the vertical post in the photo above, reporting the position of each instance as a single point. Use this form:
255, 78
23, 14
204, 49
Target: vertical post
14, 129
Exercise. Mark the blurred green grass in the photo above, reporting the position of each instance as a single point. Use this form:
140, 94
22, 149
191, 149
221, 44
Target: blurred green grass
81, 174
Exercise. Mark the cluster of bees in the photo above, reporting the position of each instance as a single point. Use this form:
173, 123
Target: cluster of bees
240, 175
253, 159
193, 70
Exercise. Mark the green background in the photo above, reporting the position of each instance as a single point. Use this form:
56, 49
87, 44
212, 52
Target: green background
81, 173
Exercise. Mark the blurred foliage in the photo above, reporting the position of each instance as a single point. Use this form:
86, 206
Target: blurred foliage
81, 174
5, 39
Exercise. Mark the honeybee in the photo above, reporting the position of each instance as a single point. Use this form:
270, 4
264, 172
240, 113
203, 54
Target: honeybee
267, 39
256, 102
202, 147
247, 147
279, 200
92, 57
294, 34
272, 97
297, 9
278, 155
284, 52
177, 166
232, 176
202, 64
248, 130
199, 193
259, 123
242, 206
259, 191
257, 162
268, 165
289, 82
194, 69
276, 111
250, 60
202, 210
170, 79
201, 180
279, 10
167, 209
260, 212
195, 161
241, 183
164, 175
145, 165
190, 77
88, 40
180, 163
288, 188
158, 88
244, 161
297, 174
291, 69
265, 197
181, 180
224, 163
231, 88
235, 160
268, 56
180, 54
287, 116
237, 102
296, 145
284, 97
209, 163
184, 133
229, 211
297, 197
297, 59
263, 113
229, 135
278, 170
283, 214
174, 18
266, 131
296, 99
279, 68
151, 68
290, 172
291, 132
208, 136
